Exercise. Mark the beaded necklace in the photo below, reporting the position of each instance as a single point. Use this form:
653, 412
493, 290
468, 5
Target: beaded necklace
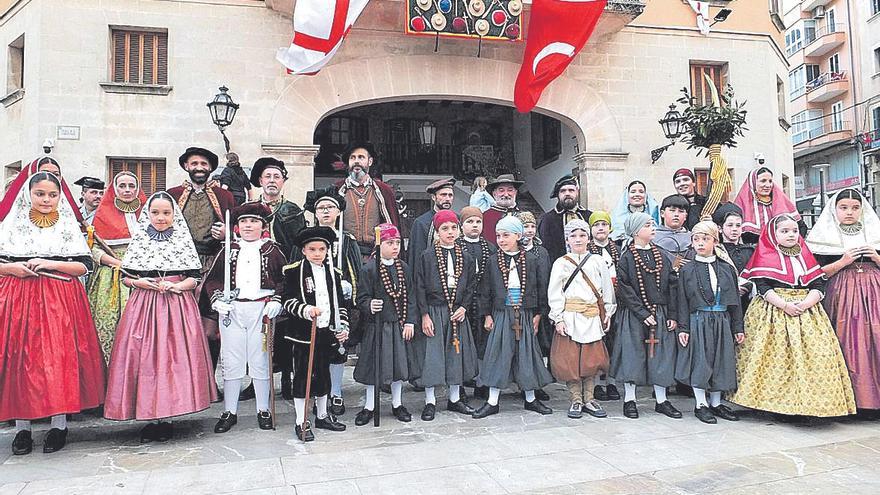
520, 260
703, 288
641, 266
397, 296
612, 248
484, 255
444, 274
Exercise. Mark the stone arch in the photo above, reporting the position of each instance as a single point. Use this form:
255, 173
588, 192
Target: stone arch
308, 99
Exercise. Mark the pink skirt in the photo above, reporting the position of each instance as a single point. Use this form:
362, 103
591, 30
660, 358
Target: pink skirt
851, 301
160, 366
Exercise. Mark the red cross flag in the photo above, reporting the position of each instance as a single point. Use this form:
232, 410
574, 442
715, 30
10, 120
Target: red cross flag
558, 29
319, 26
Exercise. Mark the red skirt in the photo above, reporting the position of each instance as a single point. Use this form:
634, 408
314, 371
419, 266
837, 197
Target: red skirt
50, 358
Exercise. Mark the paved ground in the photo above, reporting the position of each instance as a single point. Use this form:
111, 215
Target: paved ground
513, 452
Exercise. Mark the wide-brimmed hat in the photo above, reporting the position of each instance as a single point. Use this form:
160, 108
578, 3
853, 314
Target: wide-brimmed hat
262, 164
503, 179
195, 151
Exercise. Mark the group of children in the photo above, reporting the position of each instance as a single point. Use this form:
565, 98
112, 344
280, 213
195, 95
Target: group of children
469, 313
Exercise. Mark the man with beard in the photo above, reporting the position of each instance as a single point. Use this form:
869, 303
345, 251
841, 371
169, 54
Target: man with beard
235, 180
551, 224
372, 201
503, 189
422, 234
287, 217
92, 192
204, 205
686, 184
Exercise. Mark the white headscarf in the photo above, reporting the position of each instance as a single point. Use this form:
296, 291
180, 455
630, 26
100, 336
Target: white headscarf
827, 238
176, 253
20, 238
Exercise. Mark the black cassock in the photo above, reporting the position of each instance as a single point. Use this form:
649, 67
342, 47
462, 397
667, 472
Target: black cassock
395, 352
480, 251
299, 293
630, 360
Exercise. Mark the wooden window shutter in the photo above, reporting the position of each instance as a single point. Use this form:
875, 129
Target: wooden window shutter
139, 57
149, 171
119, 56
161, 58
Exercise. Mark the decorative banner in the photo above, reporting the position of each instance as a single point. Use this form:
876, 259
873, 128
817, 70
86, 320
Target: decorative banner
558, 29
319, 26
485, 19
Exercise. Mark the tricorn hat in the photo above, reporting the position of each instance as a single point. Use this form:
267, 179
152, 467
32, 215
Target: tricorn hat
195, 151
262, 164
90, 183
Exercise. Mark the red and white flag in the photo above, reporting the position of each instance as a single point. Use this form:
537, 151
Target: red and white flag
558, 29
319, 27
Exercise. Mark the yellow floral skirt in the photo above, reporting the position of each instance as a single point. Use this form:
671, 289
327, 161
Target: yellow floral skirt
792, 364
107, 297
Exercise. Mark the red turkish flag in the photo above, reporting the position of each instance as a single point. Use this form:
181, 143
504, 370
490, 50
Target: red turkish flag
558, 29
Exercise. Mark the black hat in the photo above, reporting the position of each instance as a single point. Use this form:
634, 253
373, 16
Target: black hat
356, 145
566, 180
309, 234
210, 156
262, 164
440, 184
503, 179
725, 210
328, 193
252, 209
675, 201
90, 183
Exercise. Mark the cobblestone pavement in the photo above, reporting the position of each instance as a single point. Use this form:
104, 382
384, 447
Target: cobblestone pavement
514, 452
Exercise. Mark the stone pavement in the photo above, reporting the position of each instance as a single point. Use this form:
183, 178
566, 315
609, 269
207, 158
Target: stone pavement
513, 452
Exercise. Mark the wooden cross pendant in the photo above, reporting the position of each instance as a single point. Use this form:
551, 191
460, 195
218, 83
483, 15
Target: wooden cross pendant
516, 326
455, 341
652, 339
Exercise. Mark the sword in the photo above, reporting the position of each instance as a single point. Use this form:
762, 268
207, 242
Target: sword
229, 295
337, 323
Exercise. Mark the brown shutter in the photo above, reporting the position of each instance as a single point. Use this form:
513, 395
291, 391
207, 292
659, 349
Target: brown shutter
149, 171
162, 59
139, 57
149, 59
119, 56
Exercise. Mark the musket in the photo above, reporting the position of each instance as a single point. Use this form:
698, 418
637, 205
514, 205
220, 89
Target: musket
312, 338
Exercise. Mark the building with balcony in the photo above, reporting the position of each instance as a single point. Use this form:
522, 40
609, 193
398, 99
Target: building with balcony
867, 35
123, 85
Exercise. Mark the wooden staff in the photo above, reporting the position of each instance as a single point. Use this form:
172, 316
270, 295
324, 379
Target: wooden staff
309, 374
269, 335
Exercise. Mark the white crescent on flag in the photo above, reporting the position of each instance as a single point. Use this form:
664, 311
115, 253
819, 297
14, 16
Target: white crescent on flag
319, 27
555, 47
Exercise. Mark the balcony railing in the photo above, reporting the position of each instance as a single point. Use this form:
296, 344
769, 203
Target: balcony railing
826, 78
811, 130
460, 161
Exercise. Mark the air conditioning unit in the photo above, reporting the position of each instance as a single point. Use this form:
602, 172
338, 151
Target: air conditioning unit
819, 12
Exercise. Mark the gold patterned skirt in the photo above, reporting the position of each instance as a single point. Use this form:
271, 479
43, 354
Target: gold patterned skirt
792, 364
107, 297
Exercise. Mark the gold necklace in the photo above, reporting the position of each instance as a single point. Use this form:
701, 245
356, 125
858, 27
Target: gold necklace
791, 251
127, 207
851, 229
43, 220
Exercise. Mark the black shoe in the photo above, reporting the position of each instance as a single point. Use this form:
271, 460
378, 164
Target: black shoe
630, 410
148, 433
248, 393
462, 395
460, 407
537, 406
428, 412
23, 443
485, 410
418, 388
55, 440
481, 393
724, 413
164, 432
337, 406
401, 414
705, 415
541, 395
286, 386
329, 423
304, 435
363, 417
666, 408
226, 422
265, 420
685, 390
612, 392
599, 393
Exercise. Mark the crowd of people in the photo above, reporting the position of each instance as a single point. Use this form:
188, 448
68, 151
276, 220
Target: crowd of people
130, 305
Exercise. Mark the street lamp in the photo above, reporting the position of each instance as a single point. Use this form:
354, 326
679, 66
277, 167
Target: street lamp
673, 125
223, 110
822, 167
428, 134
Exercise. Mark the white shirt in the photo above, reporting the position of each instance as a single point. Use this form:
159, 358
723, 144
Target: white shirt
248, 270
322, 295
513, 277
713, 277
475, 240
451, 281
606, 256
580, 328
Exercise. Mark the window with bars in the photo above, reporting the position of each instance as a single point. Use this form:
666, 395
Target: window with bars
139, 56
716, 71
150, 172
